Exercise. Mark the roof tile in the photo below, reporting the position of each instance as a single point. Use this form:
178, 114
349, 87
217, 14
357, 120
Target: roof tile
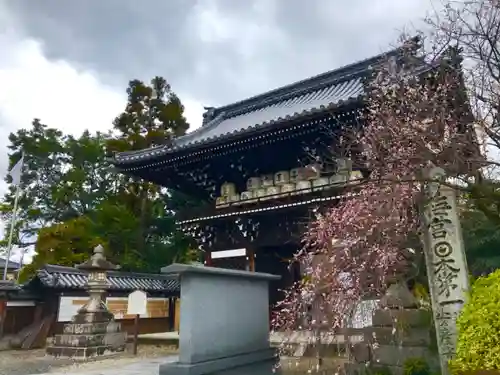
71, 278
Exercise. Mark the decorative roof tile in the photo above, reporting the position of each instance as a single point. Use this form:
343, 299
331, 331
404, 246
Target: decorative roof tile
60, 277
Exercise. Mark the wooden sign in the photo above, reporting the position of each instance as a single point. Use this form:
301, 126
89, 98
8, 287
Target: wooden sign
137, 303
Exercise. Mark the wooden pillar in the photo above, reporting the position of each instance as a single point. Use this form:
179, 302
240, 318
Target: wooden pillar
38, 313
251, 260
208, 259
171, 313
3, 314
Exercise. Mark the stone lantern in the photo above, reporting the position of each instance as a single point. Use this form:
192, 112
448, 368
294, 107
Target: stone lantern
97, 283
93, 331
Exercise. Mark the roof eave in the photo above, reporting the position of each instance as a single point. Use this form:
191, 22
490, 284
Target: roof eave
144, 155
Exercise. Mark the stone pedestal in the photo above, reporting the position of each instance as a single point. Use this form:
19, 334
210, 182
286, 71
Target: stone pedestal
224, 322
400, 331
81, 341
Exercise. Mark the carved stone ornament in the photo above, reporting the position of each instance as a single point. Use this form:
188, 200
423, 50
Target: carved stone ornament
98, 262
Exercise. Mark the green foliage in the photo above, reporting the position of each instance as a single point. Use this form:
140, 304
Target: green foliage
416, 366
481, 239
73, 201
64, 177
379, 370
479, 327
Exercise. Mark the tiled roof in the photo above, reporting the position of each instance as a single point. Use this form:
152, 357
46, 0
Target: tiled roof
8, 286
61, 277
313, 95
12, 265
331, 95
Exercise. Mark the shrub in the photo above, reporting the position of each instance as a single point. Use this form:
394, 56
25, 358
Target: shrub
416, 366
478, 326
380, 370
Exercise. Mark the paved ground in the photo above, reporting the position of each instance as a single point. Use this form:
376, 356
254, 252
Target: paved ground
138, 367
35, 362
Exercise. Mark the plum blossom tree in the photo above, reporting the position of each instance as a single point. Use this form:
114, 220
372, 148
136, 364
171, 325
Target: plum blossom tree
473, 27
416, 116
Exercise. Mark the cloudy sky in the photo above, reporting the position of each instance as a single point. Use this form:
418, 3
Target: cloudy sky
68, 62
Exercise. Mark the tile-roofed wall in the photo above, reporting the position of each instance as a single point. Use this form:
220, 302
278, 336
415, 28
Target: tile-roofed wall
60, 277
12, 265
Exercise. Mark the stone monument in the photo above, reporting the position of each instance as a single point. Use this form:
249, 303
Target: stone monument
400, 330
93, 330
224, 322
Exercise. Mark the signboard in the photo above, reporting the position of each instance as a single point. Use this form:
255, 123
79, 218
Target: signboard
157, 307
446, 267
137, 303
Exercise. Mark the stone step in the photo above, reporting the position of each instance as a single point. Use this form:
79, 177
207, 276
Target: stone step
389, 355
404, 337
414, 318
81, 353
362, 369
298, 350
90, 340
92, 328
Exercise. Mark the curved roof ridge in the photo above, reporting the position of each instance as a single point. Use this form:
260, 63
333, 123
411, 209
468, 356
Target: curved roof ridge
311, 83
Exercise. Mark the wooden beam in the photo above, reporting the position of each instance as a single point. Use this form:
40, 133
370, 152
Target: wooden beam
208, 259
251, 260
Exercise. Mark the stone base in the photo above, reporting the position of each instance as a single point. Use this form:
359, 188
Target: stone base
91, 328
102, 339
82, 353
362, 369
256, 363
391, 355
408, 337
411, 318
83, 341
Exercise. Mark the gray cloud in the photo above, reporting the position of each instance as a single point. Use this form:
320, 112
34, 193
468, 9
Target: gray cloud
217, 51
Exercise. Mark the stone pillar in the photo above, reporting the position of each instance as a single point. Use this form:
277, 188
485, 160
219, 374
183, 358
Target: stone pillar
446, 263
224, 322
